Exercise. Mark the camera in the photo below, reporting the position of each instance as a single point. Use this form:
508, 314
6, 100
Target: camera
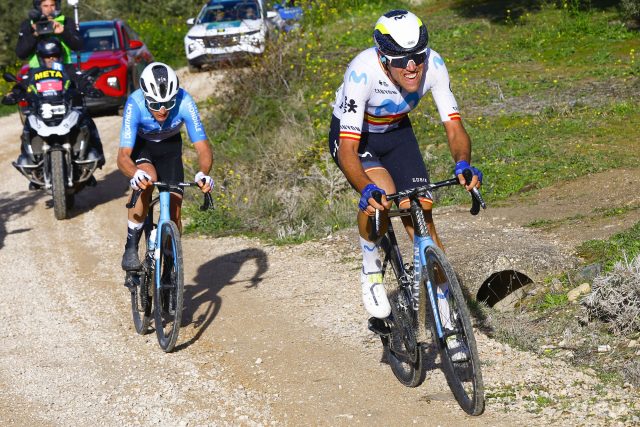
44, 27
42, 23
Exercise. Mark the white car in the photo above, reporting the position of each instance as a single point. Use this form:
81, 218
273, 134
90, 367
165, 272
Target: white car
226, 30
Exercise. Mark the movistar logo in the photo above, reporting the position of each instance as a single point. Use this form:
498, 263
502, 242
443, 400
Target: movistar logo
438, 61
408, 103
358, 77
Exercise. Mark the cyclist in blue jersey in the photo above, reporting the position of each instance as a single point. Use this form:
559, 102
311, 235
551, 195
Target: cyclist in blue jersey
151, 147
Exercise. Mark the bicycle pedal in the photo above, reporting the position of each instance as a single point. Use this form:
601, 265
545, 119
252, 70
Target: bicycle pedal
379, 326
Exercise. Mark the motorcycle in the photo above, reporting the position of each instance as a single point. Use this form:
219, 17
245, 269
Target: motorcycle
56, 152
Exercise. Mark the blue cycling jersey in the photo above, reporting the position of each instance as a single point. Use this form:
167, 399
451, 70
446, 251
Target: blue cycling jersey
137, 120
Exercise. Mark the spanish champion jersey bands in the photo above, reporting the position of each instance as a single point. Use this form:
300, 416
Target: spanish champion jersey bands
139, 122
367, 100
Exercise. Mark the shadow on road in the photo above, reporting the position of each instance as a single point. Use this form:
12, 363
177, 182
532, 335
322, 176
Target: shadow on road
113, 186
201, 300
12, 205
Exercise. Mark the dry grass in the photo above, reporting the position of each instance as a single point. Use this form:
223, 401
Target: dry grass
615, 297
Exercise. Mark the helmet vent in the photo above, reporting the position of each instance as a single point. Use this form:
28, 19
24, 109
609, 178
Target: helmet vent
159, 82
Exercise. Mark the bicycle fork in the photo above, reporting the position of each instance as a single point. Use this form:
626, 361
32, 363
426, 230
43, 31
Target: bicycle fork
421, 241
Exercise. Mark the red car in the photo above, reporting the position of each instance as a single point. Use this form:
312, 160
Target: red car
112, 46
108, 44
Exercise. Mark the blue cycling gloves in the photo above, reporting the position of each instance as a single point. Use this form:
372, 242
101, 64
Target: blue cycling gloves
463, 164
366, 195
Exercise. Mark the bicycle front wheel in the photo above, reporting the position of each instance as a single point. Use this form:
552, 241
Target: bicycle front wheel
457, 345
168, 298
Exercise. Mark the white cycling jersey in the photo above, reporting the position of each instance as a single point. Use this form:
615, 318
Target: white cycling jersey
368, 101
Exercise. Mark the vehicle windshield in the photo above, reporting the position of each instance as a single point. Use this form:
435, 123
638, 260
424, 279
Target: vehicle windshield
229, 11
95, 39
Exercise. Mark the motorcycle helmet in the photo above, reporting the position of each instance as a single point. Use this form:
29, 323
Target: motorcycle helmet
36, 7
400, 33
159, 84
49, 47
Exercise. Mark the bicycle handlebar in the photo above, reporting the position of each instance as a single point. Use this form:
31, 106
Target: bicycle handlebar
208, 200
476, 198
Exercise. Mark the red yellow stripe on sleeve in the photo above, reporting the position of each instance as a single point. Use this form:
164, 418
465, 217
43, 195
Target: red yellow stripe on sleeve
354, 136
455, 116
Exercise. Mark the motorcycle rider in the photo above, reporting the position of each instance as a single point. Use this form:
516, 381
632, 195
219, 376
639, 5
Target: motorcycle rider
49, 53
63, 28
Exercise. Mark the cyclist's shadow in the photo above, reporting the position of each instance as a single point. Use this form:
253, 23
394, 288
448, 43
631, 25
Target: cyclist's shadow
201, 300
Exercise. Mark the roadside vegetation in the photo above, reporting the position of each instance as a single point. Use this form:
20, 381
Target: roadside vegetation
547, 92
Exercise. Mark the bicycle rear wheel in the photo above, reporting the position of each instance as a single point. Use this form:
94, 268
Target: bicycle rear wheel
141, 289
462, 372
404, 353
168, 298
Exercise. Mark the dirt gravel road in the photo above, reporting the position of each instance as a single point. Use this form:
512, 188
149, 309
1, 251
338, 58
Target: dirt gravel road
270, 336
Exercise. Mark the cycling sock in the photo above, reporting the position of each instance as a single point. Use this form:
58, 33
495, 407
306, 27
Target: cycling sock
442, 293
134, 231
370, 260
134, 225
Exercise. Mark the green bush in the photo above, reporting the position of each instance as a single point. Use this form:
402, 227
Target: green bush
164, 37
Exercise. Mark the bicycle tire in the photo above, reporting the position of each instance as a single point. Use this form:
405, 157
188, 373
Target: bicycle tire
464, 377
141, 294
169, 298
404, 353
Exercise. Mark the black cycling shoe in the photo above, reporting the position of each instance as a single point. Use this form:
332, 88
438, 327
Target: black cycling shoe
130, 260
33, 186
379, 326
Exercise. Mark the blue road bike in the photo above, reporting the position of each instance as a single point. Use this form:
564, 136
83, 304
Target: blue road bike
420, 294
160, 281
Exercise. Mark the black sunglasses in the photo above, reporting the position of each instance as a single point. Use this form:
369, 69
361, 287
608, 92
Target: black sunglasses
157, 106
403, 61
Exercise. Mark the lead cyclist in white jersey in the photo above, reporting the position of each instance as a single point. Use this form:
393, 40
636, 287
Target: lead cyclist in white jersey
371, 138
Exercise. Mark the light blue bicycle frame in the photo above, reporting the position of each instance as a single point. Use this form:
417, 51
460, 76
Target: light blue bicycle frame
165, 216
421, 241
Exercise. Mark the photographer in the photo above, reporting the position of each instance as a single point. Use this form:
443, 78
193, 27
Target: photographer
46, 20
